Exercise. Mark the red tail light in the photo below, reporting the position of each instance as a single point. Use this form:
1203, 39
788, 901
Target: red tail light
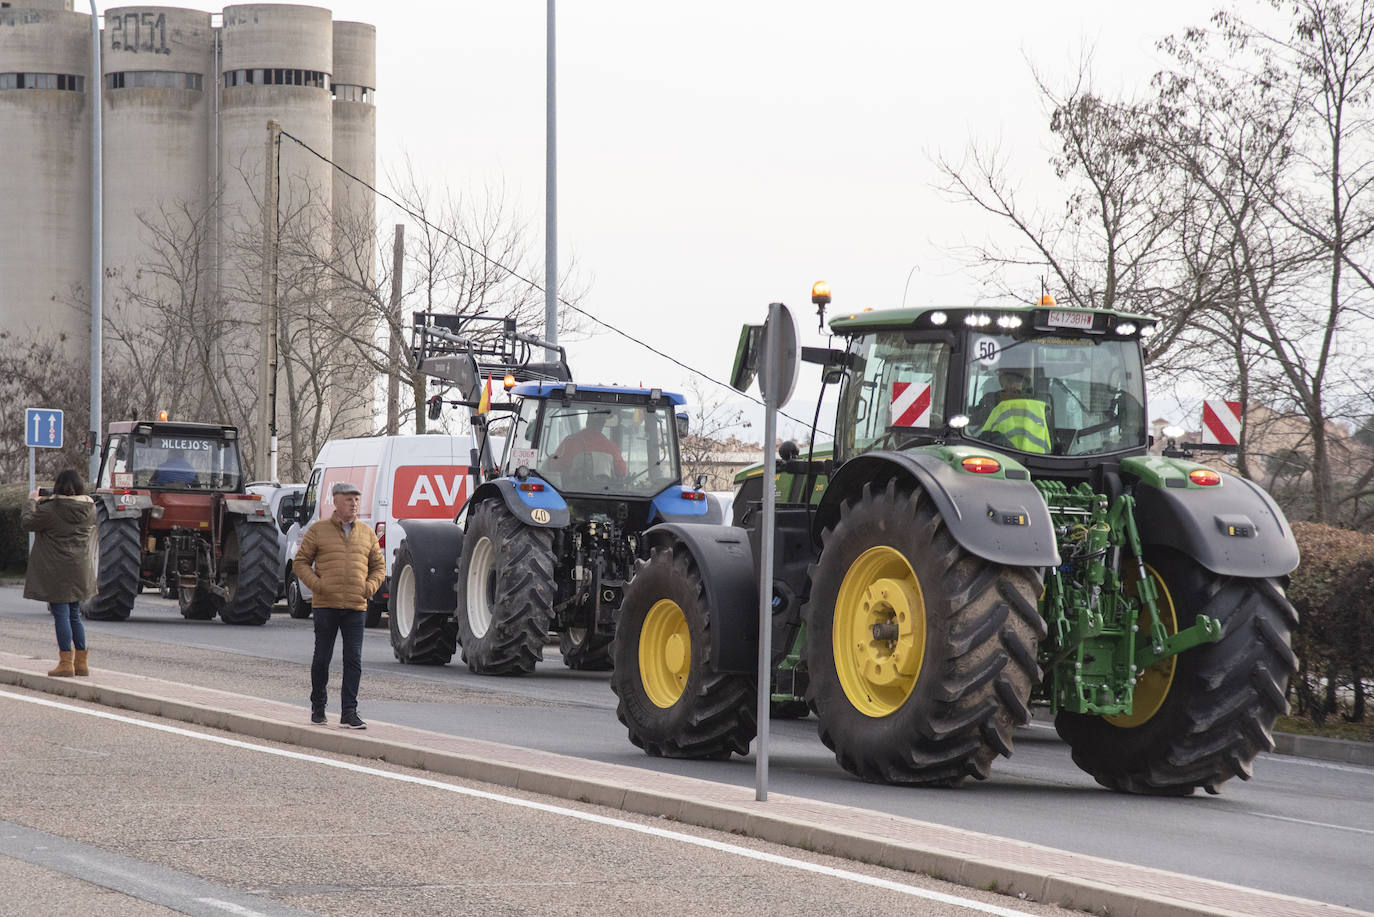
981, 464
693, 495
531, 488
1204, 477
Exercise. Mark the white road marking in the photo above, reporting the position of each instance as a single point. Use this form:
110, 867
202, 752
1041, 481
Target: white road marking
593, 818
1313, 824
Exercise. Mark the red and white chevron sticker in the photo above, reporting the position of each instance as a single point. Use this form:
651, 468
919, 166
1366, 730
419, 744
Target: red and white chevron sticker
1221, 423
911, 404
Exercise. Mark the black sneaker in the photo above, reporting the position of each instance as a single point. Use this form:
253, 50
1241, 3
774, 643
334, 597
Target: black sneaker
350, 720
317, 717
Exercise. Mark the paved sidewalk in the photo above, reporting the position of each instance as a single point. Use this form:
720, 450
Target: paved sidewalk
965, 857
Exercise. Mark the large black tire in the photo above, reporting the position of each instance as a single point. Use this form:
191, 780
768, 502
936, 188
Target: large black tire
297, 605
416, 639
585, 650
373, 617
118, 571
249, 568
1204, 722
505, 592
670, 700
198, 603
938, 700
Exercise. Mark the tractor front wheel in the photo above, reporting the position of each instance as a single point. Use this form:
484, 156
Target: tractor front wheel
250, 573
670, 700
585, 650
198, 603
921, 654
1201, 717
416, 639
118, 573
505, 592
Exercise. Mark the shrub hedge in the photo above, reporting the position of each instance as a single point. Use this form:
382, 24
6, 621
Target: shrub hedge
1333, 591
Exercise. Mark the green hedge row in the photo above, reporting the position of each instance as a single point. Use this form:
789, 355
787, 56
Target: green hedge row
14, 541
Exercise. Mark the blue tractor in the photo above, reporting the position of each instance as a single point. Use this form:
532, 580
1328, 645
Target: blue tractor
554, 532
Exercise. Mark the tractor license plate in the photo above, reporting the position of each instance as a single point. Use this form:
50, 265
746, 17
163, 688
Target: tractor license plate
1064, 318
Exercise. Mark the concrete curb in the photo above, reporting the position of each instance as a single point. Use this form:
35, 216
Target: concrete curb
1343, 751
1042, 874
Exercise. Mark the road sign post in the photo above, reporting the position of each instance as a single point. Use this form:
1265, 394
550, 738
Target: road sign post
42, 430
777, 378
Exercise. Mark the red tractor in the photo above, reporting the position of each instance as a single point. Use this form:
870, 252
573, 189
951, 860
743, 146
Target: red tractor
174, 516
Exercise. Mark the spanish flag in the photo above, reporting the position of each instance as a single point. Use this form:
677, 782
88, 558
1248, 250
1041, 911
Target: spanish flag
484, 403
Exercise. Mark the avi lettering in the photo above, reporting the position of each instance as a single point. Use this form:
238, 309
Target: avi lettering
425, 486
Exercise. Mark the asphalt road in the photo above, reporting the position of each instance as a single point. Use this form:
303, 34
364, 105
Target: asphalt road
1300, 827
117, 814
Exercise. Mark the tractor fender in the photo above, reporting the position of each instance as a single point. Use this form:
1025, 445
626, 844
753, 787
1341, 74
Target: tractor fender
673, 505
435, 546
251, 510
1235, 529
126, 506
543, 508
996, 517
726, 561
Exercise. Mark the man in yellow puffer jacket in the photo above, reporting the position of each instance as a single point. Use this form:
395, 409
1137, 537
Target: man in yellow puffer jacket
339, 561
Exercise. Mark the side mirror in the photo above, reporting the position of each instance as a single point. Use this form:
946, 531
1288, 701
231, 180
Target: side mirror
682, 425
788, 451
746, 357
701, 481
436, 404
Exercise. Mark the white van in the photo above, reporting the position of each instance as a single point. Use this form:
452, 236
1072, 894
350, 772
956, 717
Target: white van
401, 477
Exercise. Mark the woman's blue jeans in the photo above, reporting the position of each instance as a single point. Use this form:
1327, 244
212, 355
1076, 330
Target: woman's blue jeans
66, 617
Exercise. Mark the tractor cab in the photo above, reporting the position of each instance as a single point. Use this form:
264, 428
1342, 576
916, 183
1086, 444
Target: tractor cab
1049, 386
171, 457
590, 440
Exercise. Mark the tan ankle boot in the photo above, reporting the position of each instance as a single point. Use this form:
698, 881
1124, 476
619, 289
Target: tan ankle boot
64, 665
79, 663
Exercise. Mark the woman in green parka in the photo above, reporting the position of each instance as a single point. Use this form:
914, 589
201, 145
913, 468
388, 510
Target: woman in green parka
61, 567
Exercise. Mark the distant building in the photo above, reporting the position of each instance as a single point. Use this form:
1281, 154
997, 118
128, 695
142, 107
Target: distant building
186, 99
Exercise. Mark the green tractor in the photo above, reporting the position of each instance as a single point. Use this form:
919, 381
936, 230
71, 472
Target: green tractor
988, 532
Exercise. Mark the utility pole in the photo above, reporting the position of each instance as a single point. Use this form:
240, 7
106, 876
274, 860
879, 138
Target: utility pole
550, 198
97, 244
267, 339
393, 379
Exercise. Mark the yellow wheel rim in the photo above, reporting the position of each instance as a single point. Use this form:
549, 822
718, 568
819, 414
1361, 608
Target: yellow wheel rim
665, 653
879, 636
1155, 681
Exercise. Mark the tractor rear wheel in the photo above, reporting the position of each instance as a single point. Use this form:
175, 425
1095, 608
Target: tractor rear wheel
1201, 717
505, 592
250, 573
417, 639
585, 650
118, 572
921, 654
297, 605
670, 700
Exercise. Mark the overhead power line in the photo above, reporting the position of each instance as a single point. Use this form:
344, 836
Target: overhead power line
523, 279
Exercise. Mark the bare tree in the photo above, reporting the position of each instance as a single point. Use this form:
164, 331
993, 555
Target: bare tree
714, 425
465, 256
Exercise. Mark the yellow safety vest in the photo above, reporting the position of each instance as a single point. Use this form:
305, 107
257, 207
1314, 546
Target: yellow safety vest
1022, 421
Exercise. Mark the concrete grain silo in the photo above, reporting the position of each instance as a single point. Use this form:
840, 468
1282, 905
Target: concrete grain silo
45, 169
355, 122
355, 209
159, 87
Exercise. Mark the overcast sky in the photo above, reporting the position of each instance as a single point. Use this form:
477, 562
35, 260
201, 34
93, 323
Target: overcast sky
714, 157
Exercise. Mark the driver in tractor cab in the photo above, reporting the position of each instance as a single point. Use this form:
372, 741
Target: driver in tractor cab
175, 470
1014, 414
589, 451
